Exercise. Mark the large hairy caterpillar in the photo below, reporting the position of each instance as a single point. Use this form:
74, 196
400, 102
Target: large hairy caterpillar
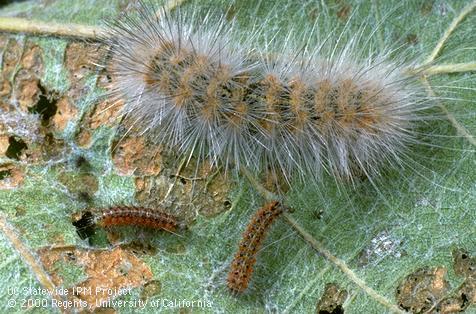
189, 85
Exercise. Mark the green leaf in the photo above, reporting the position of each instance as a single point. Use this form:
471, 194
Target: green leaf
381, 231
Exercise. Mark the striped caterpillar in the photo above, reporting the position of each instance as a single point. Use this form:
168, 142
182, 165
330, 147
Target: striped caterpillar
195, 89
241, 267
126, 216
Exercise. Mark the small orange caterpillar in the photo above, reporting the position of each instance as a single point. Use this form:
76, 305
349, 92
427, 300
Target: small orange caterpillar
126, 216
242, 265
137, 216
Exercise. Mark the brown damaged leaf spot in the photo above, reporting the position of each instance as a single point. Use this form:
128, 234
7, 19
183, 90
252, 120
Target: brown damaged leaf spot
27, 90
203, 190
50, 257
65, 112
105, 75
421, 291
104, 114
465, 294
212, 191
11, 176
116, 269
4, 144
84, 138
449, 305
464, 264
5, 88
132, 156
20, 136
28, 148
11, 56
104, 79
32, 59
332, 300
468, 293
26, 82
78, 58
46, 105
15, 148
41, 145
